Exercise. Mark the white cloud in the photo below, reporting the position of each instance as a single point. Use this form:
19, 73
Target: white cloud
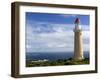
61, 39
66, 15
52, 45
28, 46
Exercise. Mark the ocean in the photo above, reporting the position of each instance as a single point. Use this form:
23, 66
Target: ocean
51, 56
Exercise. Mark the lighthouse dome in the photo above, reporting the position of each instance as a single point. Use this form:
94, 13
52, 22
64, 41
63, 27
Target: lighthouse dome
77, 20
77, 25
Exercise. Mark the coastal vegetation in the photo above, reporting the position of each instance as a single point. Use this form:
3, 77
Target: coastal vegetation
59, 62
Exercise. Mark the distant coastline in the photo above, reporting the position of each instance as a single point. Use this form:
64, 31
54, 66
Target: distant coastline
51, 56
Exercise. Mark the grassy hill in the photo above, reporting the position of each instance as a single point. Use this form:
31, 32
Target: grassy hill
58, 62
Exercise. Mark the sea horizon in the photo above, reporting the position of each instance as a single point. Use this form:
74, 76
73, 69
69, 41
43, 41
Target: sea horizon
51, 56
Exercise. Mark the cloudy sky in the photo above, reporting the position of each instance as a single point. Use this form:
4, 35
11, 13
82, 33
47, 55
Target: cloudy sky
47, 32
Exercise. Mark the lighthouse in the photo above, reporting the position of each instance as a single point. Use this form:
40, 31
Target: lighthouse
78, 43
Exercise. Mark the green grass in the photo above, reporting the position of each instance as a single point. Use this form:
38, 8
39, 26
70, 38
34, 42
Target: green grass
58, 62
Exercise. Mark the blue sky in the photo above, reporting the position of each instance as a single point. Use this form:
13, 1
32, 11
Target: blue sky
47, 32
56, 18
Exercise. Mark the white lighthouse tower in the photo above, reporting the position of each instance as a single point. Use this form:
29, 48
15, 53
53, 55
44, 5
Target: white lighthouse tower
78, 43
